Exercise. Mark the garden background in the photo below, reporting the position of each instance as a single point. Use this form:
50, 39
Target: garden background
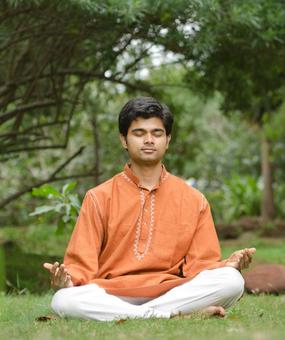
66, 69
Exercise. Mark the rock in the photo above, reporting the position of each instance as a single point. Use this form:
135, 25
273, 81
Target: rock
265, 278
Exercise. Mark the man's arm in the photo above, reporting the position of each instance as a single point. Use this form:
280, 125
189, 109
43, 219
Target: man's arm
83, 251
81, 256
204, 251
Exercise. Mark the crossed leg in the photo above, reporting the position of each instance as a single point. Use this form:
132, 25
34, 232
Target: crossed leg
208, 291
211, 290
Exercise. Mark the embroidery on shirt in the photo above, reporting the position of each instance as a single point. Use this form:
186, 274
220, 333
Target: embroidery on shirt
97, 206
164, 177
126, 177
203, 203
140, 255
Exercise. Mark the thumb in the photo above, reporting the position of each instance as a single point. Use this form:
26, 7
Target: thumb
47, 266
252, 250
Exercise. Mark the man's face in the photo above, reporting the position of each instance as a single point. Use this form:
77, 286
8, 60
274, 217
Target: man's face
146, 141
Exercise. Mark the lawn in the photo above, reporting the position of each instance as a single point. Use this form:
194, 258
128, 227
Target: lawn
253, 317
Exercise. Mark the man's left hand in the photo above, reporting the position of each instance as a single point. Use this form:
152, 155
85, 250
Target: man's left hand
240, 259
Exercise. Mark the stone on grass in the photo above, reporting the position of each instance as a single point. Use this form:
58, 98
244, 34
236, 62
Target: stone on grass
265, 278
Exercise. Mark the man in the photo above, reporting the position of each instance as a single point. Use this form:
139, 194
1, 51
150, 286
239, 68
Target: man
144, 244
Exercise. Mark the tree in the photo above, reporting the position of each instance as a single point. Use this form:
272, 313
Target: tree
51, 49
47, 59
238, 49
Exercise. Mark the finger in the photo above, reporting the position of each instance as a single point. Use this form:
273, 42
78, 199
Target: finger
54, 275
242, 263
68, 282
47, 266
61, 275
241, 260
235, 256
67, 277
54, 267
251, 250
57, 275
60, 270
246, 260
250, 253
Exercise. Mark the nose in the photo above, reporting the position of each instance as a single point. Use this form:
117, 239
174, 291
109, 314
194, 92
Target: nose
148, 138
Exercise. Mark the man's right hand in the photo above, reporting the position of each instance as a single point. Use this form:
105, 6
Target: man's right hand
59, 275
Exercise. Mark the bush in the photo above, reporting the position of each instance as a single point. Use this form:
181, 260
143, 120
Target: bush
238, 196
63, 204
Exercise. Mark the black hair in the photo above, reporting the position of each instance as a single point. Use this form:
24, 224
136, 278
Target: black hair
144, 107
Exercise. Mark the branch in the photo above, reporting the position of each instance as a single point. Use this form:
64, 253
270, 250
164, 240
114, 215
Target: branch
8, 115
51, 178
63, 165
31, 128
55, 146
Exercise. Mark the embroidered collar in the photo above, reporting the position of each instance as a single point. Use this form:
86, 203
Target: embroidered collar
130, 176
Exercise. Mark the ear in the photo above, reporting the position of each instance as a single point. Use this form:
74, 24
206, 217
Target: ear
124, 141
168, 138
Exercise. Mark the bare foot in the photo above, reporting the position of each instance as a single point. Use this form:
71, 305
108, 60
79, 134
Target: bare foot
209, 311
214, 311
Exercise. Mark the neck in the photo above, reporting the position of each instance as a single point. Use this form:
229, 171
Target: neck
148, 175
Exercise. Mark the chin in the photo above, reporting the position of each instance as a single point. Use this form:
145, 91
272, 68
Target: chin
149, 161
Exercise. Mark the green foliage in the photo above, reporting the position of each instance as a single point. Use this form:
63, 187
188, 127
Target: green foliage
274, 126
64, 204
2, 268
280, 199
237, 197
17, 288
234, 47
238, 49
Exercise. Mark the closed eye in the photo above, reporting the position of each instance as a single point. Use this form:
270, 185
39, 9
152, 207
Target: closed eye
158, 133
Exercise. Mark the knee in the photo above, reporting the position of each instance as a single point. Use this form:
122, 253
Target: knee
232, 283
63, 303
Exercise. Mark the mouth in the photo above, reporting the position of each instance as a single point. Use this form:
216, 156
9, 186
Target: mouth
148, 150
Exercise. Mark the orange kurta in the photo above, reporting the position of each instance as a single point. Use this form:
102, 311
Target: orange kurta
183, 241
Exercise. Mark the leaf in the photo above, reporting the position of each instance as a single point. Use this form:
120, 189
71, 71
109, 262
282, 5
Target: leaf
46, 190
66, 218
68, 187
74, 202
58, 207
44, 318
42, 210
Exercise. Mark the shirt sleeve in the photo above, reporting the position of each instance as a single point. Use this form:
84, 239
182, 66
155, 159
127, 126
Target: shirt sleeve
81, 256
204, 251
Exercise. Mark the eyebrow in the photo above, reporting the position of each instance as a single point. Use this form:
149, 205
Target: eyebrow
153, 130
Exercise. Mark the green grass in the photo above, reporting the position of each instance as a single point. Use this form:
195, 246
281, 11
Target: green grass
252, 317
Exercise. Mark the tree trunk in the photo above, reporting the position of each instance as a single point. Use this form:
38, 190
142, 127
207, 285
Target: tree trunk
96, 140
267, 203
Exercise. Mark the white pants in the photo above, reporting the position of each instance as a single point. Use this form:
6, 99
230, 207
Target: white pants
216, 287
